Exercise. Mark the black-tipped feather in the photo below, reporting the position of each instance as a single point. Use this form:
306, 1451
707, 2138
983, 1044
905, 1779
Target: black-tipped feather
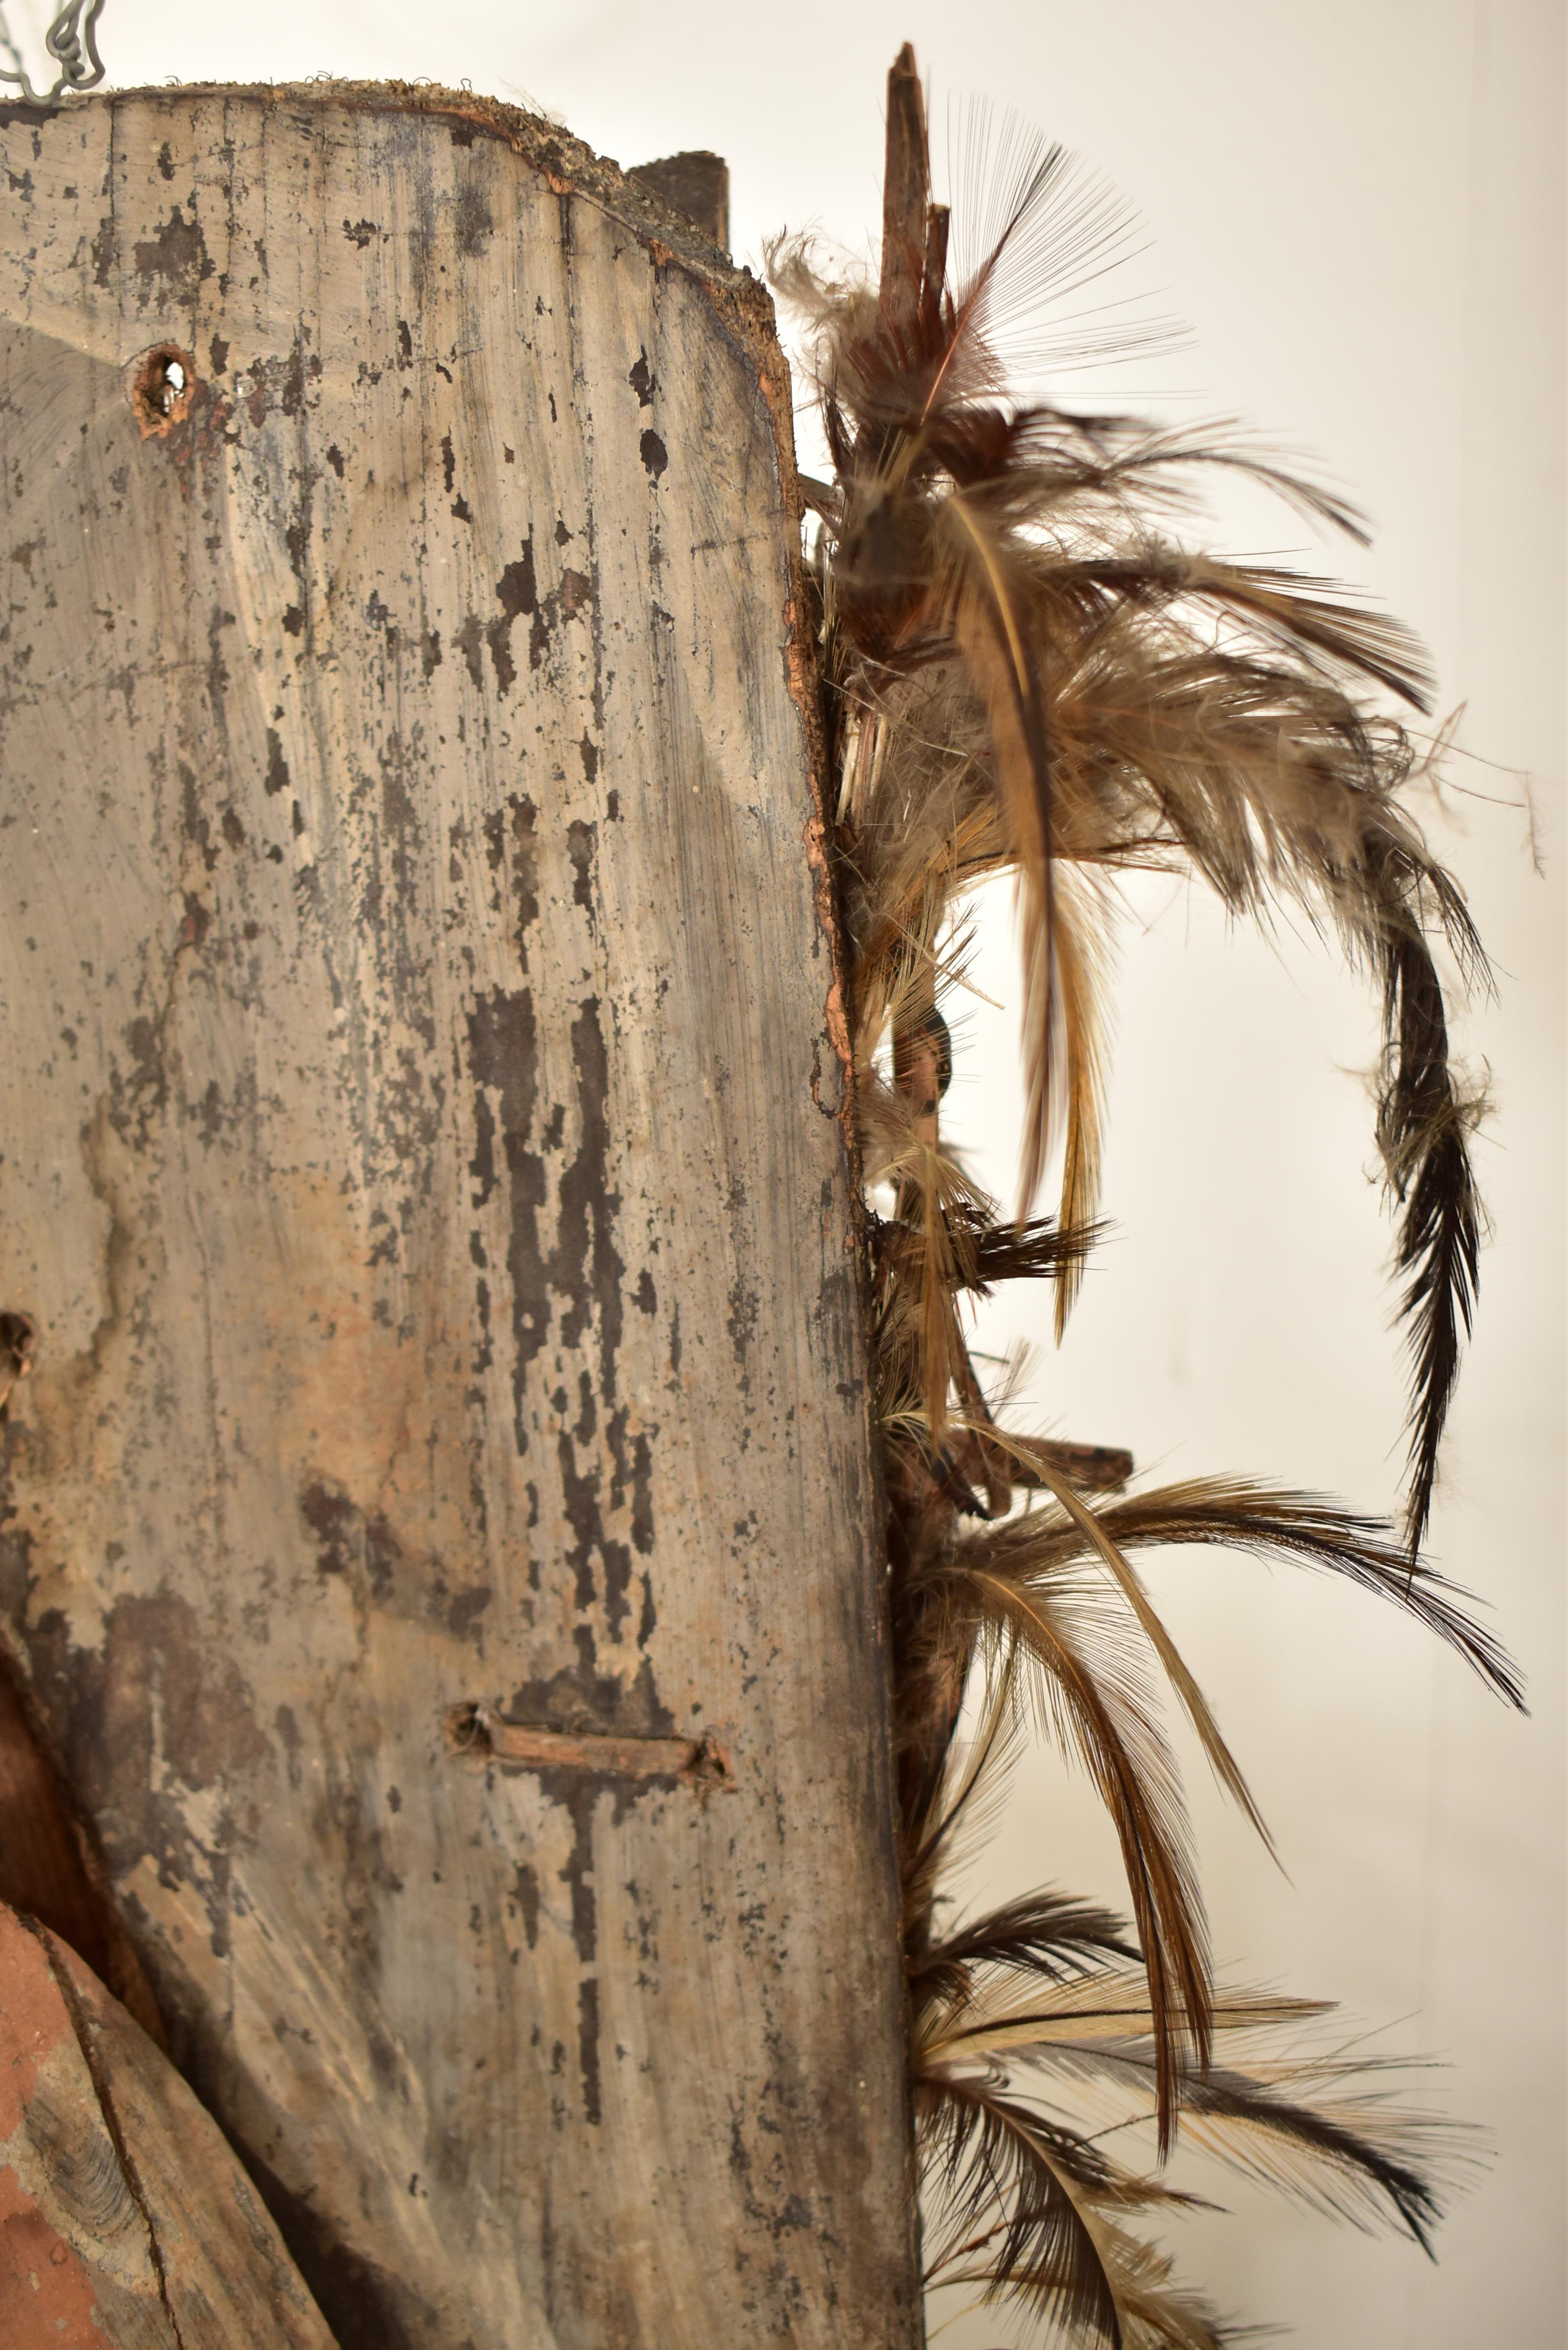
1345, 2155
1424, 1125
1027, 674
988, 2155
1302, 1528
1045, 1933
1132, 702
1035, 2208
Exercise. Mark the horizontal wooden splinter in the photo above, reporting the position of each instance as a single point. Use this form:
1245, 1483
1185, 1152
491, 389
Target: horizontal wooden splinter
477, 1731
1098, 1468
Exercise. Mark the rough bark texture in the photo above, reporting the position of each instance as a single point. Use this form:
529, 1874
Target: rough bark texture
421, 1152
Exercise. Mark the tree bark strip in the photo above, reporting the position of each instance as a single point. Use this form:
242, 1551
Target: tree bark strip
422, 1155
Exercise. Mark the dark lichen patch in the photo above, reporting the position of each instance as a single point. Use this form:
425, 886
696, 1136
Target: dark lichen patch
582, 841
174, 261
281, 383
642, 1495
589, 2046
460, 1610
207, 1732
194, 827
210, 1116
151, 1709
518, 597
502, 1048
138, 1088
472, 219
510, 835
585, 1268
581, 1699
578, 594
469, 639
633, 1475
349, 1543
516, 592
741, 1319
580, 1506
525, 1893
276, 778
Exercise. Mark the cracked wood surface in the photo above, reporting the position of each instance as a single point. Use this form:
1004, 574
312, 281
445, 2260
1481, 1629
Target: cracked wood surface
419, 1153
124, 2221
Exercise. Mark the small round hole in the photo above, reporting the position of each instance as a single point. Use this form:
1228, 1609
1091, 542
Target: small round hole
160, 384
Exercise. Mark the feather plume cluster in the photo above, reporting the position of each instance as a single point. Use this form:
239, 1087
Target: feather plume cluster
1026, 673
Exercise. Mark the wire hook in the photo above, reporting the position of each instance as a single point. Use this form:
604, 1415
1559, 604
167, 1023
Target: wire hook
70, 41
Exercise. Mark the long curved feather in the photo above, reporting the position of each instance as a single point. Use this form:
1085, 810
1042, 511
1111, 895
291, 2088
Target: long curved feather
1098, 1709
1025, 1555
1309, 1531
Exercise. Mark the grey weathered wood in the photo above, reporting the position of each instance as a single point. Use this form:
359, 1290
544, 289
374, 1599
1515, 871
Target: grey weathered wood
420, 1151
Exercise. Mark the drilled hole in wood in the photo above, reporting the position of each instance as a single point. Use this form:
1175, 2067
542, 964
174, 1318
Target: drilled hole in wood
161, 383
18, 1342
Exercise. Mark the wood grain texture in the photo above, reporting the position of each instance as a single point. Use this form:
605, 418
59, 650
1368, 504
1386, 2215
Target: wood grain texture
124, 2221
423, 1159
51, 1863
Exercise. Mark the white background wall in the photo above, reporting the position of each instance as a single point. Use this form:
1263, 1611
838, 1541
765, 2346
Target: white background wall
1357, 206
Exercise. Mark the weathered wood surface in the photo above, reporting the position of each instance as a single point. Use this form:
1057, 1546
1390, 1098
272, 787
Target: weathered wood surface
419, 1152
52, 1867
124, 2221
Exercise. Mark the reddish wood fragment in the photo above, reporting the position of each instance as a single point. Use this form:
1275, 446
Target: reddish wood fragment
124, 2219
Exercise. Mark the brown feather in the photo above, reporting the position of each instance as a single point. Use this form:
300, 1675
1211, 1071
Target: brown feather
1026, 673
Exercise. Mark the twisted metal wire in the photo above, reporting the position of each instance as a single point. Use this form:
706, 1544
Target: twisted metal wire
70, 41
